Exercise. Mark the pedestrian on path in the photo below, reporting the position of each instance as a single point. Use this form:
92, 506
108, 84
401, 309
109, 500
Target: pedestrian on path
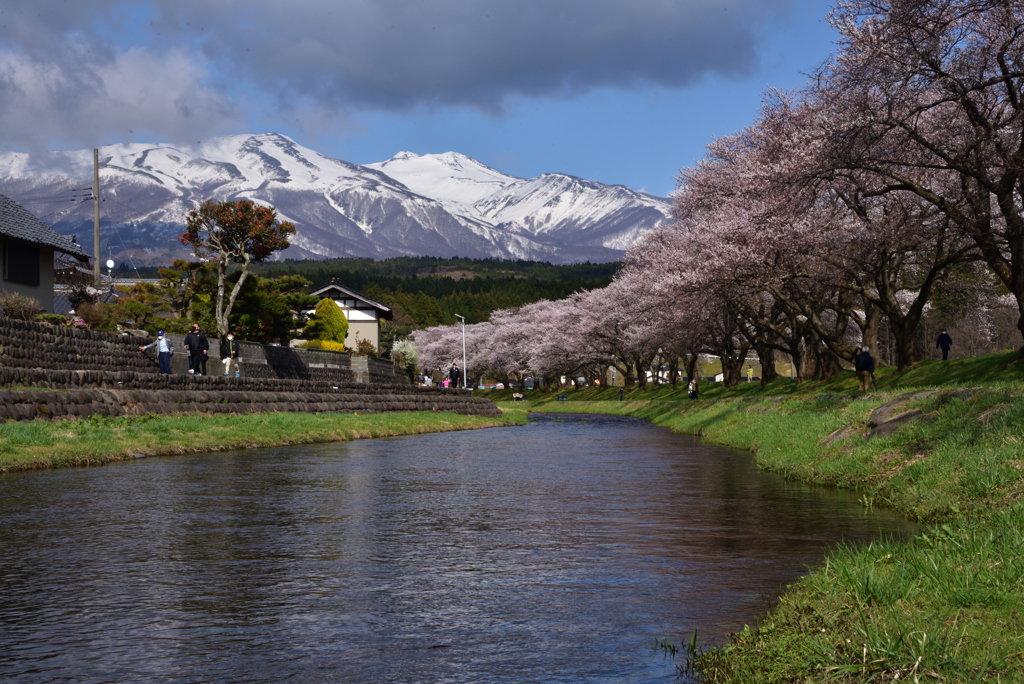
197, 347
865, 366
164, 349
944, 343
693, 388
231, 356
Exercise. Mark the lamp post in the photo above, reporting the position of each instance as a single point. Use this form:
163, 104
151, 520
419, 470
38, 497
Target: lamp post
463, 319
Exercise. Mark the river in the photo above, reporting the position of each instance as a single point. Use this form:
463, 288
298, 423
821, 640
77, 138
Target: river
553, 552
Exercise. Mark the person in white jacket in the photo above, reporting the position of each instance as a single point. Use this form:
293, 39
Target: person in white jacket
164, 349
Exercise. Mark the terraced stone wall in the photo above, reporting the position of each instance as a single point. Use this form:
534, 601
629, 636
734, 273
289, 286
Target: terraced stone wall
26, 344
24, 405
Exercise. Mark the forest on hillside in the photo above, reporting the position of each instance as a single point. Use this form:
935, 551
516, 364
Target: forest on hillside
430, 291
425, 291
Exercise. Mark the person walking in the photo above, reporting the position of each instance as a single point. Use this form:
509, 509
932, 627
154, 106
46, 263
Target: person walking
197, 347
164, 349
438, 377
944, 343
865, 366
231, 355
692, 388
454, 375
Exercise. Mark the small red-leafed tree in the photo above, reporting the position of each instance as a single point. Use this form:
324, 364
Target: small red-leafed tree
240, 233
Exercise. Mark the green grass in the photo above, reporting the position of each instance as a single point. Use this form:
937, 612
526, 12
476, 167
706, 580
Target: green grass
97, 440
992, 371
945, 606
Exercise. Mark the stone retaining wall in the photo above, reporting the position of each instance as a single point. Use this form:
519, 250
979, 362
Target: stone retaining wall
27, 344
64, 379
23, 405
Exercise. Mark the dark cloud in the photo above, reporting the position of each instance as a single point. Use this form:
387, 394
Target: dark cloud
57, 56
396, 54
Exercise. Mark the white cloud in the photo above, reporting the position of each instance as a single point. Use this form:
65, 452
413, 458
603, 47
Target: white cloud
128, 94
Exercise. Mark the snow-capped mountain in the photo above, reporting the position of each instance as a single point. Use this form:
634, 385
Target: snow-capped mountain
436, 205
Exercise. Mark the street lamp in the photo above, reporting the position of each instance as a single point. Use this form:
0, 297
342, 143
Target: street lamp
463, 319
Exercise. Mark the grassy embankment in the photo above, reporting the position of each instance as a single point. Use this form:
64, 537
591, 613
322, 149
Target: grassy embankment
99, 440
945, 606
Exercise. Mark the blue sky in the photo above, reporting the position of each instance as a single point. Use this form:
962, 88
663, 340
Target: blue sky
607, 90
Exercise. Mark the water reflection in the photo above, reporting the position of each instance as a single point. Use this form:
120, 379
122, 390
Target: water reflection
552, 552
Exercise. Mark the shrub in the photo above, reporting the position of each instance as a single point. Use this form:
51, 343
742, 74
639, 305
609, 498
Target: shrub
328, 323
364, 347
17, 305
52, 319
405, 355
333, 346
100, 317
80, 296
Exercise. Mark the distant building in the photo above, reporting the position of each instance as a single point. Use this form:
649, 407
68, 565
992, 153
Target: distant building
363, 314
28, 248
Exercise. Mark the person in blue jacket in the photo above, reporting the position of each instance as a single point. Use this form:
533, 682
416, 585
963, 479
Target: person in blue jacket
865, 366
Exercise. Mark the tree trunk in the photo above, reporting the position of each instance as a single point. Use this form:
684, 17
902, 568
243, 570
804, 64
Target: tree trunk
690, 361
641, 374
766, 356
808, 367
828, 362
673, 371
872, 321
904, 333
732, 369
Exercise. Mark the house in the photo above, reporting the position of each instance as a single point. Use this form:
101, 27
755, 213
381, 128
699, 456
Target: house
28, 248
363, 314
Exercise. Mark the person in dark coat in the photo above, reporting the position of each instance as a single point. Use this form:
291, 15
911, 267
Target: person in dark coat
865, 366
198, 348
438, 377
454, 375
944, 343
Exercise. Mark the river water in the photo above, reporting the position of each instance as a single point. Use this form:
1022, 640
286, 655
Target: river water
554, 552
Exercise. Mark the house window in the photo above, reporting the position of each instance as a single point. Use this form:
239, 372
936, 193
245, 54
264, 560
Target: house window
21, 262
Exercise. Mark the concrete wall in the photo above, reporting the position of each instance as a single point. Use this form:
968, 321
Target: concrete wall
43, 293
364, 330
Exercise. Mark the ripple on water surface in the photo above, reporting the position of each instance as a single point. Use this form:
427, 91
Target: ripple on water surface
551, 552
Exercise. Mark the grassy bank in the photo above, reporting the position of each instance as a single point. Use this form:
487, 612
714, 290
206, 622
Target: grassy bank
99, 440
945, 606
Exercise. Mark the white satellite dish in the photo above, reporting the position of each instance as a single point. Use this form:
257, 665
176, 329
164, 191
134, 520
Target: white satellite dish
110, 263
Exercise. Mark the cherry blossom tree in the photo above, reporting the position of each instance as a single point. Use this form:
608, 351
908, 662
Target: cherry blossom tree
929, 97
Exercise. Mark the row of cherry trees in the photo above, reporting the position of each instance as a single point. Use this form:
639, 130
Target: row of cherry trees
844, 207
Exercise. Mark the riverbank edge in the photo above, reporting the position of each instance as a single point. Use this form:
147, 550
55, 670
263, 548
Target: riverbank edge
42, 445
889, 609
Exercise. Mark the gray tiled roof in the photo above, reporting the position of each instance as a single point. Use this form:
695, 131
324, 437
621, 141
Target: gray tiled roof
17, 222
333, 283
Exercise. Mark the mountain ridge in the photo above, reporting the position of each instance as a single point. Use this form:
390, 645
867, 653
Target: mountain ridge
442, 205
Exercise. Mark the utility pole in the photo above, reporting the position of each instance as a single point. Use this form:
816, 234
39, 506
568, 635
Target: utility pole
96, 216
463, 319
